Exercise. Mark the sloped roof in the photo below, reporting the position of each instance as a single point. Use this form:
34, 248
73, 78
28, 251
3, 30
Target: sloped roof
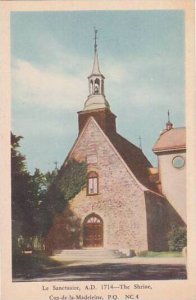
171, 140
135, 160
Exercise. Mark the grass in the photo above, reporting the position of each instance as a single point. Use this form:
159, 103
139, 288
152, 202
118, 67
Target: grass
160, 254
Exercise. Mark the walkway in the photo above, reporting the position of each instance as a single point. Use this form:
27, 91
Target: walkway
136, 268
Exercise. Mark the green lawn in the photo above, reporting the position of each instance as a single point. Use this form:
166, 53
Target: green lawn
160, 254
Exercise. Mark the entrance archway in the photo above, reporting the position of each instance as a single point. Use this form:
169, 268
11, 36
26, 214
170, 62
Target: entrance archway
93, 231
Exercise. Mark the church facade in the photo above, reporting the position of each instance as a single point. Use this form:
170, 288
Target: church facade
122, 206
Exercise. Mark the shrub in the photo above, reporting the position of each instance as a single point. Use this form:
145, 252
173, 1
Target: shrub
177, 238
64, 233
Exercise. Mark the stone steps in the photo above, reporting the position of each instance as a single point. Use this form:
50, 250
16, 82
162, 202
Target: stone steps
88, 254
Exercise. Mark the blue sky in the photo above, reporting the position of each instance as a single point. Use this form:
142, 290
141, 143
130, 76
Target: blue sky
141, 54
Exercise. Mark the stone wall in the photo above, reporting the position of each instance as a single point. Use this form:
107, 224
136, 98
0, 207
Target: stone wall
120, 201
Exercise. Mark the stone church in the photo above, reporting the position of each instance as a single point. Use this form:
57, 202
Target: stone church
122, 205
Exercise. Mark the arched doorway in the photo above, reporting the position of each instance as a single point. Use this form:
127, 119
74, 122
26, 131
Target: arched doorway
93, 231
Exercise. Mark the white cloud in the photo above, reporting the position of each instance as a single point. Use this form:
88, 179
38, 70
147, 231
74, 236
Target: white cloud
116, 72
46, 87
142, 81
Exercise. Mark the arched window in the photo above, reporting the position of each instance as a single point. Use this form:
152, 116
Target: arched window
91, 87
92, 184
97, 84
93, 219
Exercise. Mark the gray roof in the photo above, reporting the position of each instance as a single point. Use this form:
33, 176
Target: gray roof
171, 140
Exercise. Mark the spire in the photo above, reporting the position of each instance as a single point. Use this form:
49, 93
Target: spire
95, 46
169, 125
96, 69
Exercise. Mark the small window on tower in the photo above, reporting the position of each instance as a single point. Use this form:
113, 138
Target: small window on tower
91, 87
97, 83
92, 184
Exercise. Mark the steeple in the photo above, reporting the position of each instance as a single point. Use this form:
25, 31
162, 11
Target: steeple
96, 105
96, 98
96, 70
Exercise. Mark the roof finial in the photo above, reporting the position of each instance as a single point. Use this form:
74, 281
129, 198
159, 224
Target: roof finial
169, 125
95, 38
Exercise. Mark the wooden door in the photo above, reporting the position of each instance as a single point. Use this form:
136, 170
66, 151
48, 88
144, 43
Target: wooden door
93, 231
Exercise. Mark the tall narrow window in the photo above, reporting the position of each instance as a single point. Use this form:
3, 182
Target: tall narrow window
97, 85
92, 186
91, 87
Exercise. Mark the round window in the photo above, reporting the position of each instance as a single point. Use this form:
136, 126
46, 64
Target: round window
178, 162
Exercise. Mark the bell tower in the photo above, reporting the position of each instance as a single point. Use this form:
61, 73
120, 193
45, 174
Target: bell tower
96, 104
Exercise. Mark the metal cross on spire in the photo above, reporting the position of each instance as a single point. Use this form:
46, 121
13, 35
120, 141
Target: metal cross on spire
95, 38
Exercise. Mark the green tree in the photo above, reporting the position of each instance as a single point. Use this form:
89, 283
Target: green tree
38, 198
51, 177
69, 181
177, 238
62, 229
23, 223
39, 185
22, 202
